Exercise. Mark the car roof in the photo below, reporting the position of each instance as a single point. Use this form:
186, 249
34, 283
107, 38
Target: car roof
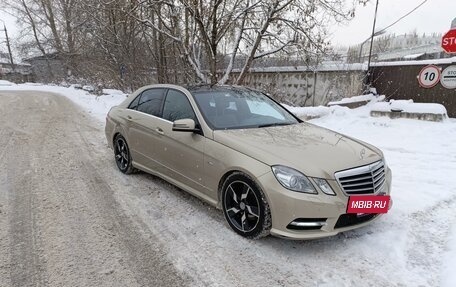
208, 88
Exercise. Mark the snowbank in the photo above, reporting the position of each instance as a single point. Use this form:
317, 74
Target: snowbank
361, 98
374, 107
335, 109
88, 88
32, 84
98, 106
408, 106
308, 112
112, 92
6, 83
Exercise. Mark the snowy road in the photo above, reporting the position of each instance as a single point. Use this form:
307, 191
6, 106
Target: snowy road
60, 224
69, 218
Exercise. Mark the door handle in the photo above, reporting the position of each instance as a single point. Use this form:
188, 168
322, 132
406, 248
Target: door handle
129, 117
160, 131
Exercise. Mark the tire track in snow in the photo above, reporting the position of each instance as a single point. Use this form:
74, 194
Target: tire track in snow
64, 227
428, 240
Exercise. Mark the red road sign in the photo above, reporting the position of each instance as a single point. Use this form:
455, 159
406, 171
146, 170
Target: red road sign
449, 41
429, 76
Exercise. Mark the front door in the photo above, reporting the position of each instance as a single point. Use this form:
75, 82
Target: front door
182, 152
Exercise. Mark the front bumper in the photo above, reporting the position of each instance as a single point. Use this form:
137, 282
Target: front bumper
288, 206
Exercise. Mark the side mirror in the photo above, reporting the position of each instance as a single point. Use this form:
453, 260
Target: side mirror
184, 125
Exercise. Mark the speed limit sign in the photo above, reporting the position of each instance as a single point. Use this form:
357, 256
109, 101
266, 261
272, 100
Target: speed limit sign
429, 76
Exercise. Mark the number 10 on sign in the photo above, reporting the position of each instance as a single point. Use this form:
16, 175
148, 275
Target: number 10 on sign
429, 76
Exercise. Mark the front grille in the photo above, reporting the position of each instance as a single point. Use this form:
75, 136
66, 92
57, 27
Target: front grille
346, 220
367, 179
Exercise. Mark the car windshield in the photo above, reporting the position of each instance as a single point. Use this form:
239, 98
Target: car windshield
240, 108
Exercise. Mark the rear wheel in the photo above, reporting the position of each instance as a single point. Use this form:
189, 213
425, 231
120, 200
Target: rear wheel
122, 155
245, 207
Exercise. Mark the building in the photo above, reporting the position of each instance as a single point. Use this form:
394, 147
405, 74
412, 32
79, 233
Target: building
47, 68
404, 47
18, 72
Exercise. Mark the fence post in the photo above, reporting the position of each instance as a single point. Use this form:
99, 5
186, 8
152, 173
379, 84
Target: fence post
314, 87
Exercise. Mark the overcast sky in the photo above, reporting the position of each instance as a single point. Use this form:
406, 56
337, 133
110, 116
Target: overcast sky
10, 24
433, 16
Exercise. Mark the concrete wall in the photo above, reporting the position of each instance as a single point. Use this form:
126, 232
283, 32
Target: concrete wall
48, 70
306, 88
22, 73
17, 78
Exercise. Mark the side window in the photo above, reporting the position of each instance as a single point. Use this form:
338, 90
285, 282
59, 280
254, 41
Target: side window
177, 107
134, 104
151, 101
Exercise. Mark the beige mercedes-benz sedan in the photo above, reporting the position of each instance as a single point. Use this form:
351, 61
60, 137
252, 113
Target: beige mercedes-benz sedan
239, 150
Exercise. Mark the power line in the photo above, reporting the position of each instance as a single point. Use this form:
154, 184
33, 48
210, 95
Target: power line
413, 10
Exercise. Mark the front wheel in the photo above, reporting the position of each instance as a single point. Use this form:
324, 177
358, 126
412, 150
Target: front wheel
245, 207
122, 155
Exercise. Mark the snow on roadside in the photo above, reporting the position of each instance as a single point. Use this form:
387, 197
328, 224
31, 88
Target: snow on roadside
361, 98
312, 112
6, 83
112, 92
98, 106
409, 106
334, 108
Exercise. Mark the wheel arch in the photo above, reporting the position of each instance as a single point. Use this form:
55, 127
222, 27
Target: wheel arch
118, 130
220, 185
114, 136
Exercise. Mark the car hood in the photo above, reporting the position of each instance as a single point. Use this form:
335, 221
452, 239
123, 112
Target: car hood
313, 150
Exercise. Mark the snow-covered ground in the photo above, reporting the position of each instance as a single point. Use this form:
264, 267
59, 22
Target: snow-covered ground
6, 83
97, 106
409, 106
413, 245
361, 98
422, 156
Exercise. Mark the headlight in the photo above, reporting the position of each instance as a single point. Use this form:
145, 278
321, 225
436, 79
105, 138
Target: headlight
384, 163
293, 180
324, 186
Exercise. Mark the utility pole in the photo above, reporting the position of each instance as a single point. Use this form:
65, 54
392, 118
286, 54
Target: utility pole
368, 82
9, 47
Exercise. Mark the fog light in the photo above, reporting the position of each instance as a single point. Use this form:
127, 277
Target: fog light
307, 223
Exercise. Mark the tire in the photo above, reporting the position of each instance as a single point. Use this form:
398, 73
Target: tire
122, 155
245, 207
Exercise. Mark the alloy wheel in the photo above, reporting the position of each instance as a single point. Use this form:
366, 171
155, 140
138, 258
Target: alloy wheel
121, 153
242, 206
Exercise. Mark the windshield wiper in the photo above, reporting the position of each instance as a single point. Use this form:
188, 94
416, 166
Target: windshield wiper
274, 125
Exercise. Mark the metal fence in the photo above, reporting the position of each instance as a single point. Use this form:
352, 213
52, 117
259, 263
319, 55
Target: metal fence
399, 81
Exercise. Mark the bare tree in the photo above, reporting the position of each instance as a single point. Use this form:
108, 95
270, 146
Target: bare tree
131, 42
254, 29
